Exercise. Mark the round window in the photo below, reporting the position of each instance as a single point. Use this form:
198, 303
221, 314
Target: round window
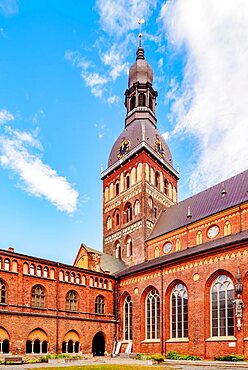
167, 247
213, 231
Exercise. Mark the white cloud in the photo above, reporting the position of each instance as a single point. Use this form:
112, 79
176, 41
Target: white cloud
37, 116
115, 59
211, 102
120, 16
113, 99
37, 178
5, 116
93, 80
9, 7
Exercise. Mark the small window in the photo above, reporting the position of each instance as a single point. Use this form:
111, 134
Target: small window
109, 223
117, 188
157, 179
150, 103
39, 271
38, 296
129, 247
127, 181
32, 269
2, 292
227, 228
72, 277
150, 202
77, 279
178, 245
199, 237
71, 301
6, 264
128, 212
132, 102
156, 252
99, 305
96, 282
155, 213
137, 207
118, 250
67, 276
45, 273
142, 100
52, 273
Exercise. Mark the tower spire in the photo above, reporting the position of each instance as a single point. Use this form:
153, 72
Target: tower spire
140, 51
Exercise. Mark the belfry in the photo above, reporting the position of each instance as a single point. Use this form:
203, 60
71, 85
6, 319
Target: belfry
140, 179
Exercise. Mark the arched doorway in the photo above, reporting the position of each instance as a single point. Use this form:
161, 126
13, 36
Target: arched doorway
98, 344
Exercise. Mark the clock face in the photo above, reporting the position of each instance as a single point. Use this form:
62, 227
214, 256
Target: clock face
167, 247
213, 231
124, 148
159, 148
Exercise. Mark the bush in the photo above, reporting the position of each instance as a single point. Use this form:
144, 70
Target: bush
233, 358
143, 356
158, 357
173, 355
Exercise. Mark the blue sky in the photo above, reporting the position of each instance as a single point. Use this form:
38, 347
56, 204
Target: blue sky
63, 74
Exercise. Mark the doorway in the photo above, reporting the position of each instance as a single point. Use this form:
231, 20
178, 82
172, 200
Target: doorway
98, 344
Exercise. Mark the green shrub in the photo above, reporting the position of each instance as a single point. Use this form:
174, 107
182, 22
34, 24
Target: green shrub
158, 357
233, 358
143, 356
173, 355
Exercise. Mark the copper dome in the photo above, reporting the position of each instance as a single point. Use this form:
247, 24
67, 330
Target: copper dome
142, 131
140, 71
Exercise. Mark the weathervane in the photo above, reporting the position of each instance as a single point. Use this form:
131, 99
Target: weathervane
140, 21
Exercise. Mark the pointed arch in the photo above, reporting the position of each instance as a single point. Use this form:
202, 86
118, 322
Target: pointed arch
227, 228
199, 237
139, 172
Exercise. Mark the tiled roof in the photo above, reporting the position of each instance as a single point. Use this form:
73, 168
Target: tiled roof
186, 253
224, 195
108, 263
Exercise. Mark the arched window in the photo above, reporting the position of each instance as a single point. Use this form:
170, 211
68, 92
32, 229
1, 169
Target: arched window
157, 179
227, 228
37, 342
2, 292
96, 282
128, 318
139, 172
174, 194
39, 270
101, 283
91, 281
99, 305
67, 275
61, 275
150, 202
14, 266
132, 102
52, 274
127, 178
128, 212
118, 250
6, 264
179, 312
129, 246
137, 207
166, 190
32, 269
105, 284
78, 279
109, 223
222, 312
117, 217
72, 277
199, 237
156, 253
147, 171
71, 301
106, 194
150, 103
38, 296
117, 188
178, 245
170, 190
111, 190
4, 346
153, 315
0, 262
142, 100
45, 272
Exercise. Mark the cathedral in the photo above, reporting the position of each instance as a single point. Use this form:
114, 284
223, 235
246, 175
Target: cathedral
172, 276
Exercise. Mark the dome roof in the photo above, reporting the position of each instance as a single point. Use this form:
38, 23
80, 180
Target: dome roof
140, 131
140, 71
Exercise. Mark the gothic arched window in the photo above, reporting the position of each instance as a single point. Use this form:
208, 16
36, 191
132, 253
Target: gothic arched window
137, 207
6, 264
38, 296
2, 292
153, 315
132, 102
222, 312
99, 305
117, 250
128, 318
179, 312
71, 301
199, 237
227, 228
128, 212
142, 100
129, 246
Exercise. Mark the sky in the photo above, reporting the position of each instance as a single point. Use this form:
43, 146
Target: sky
63, 73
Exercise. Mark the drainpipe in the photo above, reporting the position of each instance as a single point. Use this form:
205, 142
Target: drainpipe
116, 295
57, 309
162, 311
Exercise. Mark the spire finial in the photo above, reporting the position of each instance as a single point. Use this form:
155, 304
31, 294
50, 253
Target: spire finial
140, 50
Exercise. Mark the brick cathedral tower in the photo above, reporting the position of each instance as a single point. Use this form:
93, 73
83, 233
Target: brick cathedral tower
140, 180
